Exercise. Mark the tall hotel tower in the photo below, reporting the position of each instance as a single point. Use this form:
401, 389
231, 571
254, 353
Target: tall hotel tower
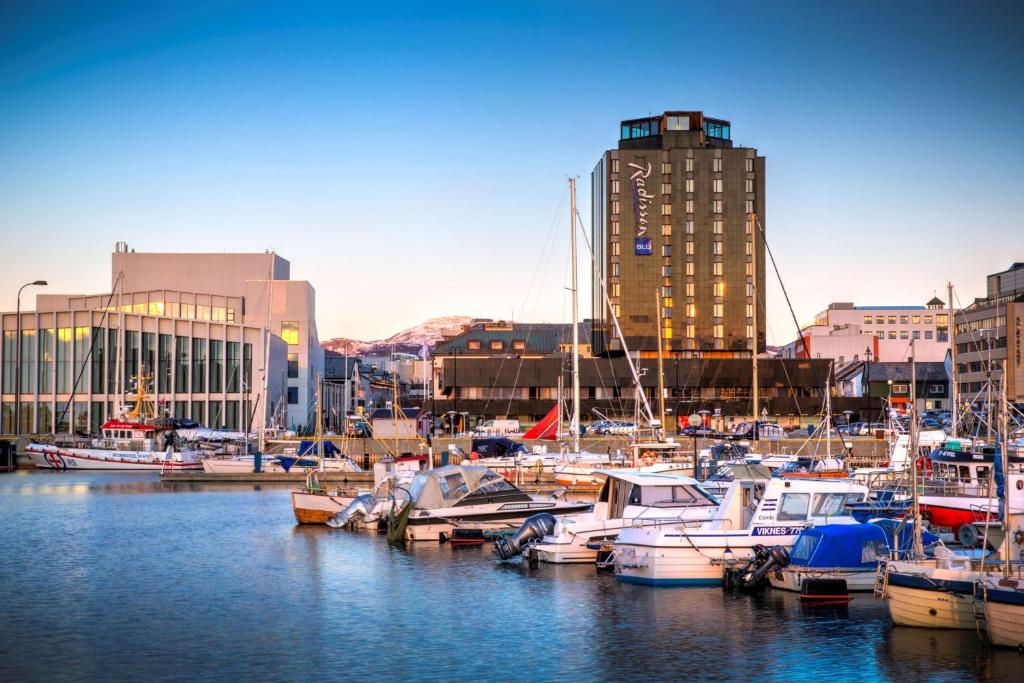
671, 225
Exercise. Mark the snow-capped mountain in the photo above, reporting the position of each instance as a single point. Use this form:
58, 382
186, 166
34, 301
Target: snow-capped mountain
406, 341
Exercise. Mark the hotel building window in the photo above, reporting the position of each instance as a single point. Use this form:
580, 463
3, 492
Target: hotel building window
927, 320
188, 311
666, 189
689, 227
904, 320
691, 331
691, 310
689, 288
689, 165
867, 321
749, 165
615, 227
748, 206
46, 362
904, 335
202, 312
519, 345
615, 187
666, 230
716, 268
615, 269
473, 345
716, 248
497, 345
615, 248
719, 331
666, 271
716, 165
163, 368
615, 165
718, 310
689, 206
716, 206
892, 320
916, 319
615, 207
716, 184
879, 320
666, 209
689, 248
220, 314
666, 250
689, 268
892, 334
290, 332
666, 167
173, 309
689, 184
716, 226
718, 288
748, 185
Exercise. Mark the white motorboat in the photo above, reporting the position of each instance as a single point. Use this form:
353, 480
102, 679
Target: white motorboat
753, 512
628, 498
243, 464
461, 496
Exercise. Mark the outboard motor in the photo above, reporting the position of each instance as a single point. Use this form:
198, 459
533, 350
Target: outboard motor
536, 526
362, 505
765, 561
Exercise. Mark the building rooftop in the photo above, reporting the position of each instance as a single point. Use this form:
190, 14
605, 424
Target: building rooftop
900, 372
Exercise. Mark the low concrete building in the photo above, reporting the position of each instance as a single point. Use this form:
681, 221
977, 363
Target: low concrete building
224, 339
848, 334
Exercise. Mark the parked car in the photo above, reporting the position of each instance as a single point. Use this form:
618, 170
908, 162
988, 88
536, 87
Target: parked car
768, 431
497, 428
600, 427
707, 432
359, 430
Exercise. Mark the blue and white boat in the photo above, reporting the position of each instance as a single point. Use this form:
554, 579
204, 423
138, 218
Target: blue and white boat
753, 513
843, 551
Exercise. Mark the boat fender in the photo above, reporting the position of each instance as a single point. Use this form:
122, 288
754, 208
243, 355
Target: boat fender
535, 527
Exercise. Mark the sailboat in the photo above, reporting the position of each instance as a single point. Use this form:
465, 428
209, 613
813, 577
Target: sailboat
939, 592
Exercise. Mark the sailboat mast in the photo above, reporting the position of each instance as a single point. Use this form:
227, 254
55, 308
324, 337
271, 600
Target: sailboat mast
753, 354
575, 424
661, 364
319, 425
918, 542
955, 393
266, 355
119, 378
1004, 456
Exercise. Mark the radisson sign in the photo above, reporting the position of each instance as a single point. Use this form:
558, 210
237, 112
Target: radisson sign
641, 206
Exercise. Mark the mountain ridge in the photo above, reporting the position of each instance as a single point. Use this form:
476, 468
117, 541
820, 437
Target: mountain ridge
410, 340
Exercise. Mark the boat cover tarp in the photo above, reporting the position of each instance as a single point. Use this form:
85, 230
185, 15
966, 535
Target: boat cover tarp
899, 535
445, 486
308, 447
497, 447
850, 546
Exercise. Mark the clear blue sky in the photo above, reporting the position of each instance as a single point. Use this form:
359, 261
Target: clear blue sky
409, 158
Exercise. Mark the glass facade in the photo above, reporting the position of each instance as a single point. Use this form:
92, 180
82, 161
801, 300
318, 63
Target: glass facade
234, 369
149, 359
111, 361
199, 412
99, 339
216, 414
181, 369
163, 372
198, 366
216, 366
63, 360
231, 420
45, 362
131, 356
10, 354
247, 368
28, 362
83, 345
44, 421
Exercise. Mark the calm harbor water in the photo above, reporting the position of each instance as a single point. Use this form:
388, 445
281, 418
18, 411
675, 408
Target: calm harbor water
118, 576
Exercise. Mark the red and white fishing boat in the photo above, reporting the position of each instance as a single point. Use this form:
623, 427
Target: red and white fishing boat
958, 489
138, 441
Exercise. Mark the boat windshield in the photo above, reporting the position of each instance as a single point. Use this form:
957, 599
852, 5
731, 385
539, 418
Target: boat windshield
670, 496
494, 483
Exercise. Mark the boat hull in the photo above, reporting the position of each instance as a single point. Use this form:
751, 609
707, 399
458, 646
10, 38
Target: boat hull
440, 524
930, 608
318, 508
685, 565
1005, 623
792, 578
55, 458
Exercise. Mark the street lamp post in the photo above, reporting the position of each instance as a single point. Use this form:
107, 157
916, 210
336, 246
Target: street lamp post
17, 357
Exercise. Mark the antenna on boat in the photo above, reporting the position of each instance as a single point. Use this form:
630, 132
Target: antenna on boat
574, 425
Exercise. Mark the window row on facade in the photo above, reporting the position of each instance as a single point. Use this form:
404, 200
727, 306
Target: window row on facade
83, 360
86, 417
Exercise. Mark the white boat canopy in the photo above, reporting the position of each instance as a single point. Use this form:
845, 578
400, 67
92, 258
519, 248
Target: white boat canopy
445, 486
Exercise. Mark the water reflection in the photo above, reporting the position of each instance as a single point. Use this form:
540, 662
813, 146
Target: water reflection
219, 582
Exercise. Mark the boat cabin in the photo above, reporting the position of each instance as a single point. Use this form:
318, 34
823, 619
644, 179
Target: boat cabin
952, 470
461, 485
119, 434
649, 490
782, 506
